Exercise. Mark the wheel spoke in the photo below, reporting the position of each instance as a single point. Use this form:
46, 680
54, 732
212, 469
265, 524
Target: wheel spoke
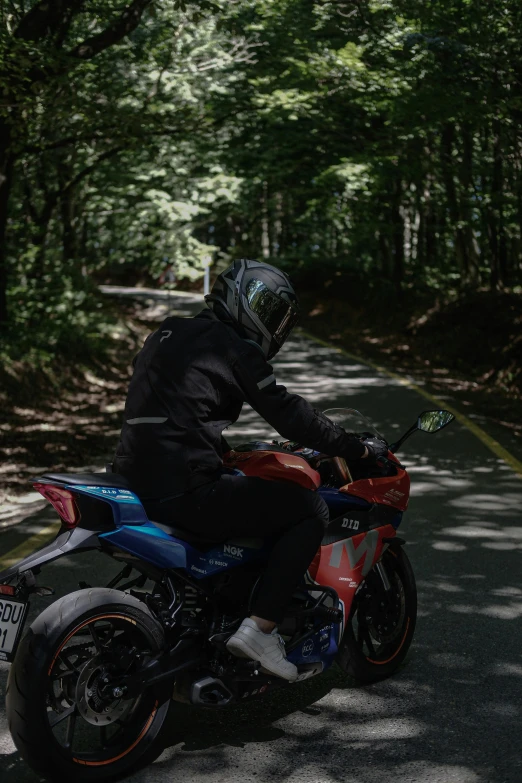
95, 637
359, 636
65, 660
111, 634
61, 716
60, 675
368, 640
103, 736
69, 730
65, 657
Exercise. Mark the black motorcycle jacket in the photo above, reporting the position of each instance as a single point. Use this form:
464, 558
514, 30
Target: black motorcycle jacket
190, 381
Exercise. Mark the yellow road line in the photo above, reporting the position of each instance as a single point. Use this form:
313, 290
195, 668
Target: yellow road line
28, 546
486, 439
43, 536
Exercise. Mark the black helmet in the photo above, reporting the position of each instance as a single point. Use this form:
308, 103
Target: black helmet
260, 299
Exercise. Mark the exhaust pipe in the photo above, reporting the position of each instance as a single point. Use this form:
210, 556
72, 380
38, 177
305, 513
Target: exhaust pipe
210, 692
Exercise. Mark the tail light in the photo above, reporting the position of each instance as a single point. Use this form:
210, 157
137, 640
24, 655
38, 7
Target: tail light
63, 501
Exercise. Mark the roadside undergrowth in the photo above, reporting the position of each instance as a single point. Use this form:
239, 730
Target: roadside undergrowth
63, 412
468, 348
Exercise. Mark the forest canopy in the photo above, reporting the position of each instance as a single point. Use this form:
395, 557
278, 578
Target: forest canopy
377, 138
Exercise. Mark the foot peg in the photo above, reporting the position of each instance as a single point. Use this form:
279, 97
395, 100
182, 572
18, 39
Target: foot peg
329, 613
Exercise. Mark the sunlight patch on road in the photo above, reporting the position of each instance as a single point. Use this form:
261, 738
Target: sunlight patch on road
448, 546
386, 728
429, 772
508, 669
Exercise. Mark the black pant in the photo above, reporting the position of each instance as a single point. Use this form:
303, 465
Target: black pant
254, 507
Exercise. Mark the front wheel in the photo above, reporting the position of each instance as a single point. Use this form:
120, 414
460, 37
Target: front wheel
64, 717
380, 628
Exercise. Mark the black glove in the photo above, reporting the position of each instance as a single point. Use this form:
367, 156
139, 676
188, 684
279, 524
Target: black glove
376, 448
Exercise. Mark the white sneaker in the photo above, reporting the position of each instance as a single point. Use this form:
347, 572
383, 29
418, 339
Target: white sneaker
267, 648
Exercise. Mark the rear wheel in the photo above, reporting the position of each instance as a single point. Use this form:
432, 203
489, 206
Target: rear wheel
66, 719
382, 622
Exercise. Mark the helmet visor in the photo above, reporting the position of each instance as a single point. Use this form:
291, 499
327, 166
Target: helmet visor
274, 312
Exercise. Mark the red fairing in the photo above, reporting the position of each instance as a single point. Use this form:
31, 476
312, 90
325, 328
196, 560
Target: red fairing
388, 491
274, 466
344, 564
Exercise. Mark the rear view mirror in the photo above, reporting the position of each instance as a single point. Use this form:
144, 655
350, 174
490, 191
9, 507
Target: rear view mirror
433, 421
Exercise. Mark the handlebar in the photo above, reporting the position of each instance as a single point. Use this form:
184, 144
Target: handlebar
381, 462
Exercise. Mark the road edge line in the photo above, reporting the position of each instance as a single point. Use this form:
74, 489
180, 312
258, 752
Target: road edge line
492, 444
28, 546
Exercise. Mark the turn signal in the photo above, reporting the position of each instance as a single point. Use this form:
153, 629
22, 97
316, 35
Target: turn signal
63, 501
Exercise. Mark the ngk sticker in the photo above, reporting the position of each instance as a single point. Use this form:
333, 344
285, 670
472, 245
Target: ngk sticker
235, 551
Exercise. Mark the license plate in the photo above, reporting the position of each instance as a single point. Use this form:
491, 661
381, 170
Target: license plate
12, 617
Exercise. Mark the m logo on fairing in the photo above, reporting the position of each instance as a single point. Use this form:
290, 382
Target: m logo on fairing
366, 549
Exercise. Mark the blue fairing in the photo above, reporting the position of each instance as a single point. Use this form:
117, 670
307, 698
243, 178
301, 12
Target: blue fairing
339, 503
322, 647
137, 535
165, 551
150, 543
126, 506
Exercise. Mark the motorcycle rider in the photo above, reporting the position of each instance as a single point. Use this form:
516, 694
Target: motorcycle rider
190, 381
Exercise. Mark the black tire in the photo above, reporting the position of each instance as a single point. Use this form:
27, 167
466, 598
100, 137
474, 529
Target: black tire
376, 640
32, 685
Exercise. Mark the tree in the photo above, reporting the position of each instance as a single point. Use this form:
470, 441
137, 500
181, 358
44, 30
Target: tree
39, 47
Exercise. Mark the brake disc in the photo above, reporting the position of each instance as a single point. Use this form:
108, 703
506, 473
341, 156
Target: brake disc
96, 709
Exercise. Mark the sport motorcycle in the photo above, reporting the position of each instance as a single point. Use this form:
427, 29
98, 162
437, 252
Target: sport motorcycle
92, 678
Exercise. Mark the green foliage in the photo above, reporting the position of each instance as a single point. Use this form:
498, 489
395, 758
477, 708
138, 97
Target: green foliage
380, 138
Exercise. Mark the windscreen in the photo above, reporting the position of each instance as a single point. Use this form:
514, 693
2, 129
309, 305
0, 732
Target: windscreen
352, 421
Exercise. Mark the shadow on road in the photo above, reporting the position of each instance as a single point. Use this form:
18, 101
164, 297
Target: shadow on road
453, 714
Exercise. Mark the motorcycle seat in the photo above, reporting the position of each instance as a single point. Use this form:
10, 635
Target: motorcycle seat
89, 479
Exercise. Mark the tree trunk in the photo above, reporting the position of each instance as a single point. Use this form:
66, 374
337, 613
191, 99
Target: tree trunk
6, 176
431, 231
517, 261
420, 222
69, 238
466, 209
265, 235
278, 224
384, 252
398, 236
461, 249
497, 238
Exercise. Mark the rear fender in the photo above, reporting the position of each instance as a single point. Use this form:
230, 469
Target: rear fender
66, 542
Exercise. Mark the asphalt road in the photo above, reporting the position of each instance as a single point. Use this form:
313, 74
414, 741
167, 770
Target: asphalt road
452, 714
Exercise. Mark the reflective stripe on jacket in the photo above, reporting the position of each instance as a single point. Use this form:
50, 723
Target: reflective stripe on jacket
190, 381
